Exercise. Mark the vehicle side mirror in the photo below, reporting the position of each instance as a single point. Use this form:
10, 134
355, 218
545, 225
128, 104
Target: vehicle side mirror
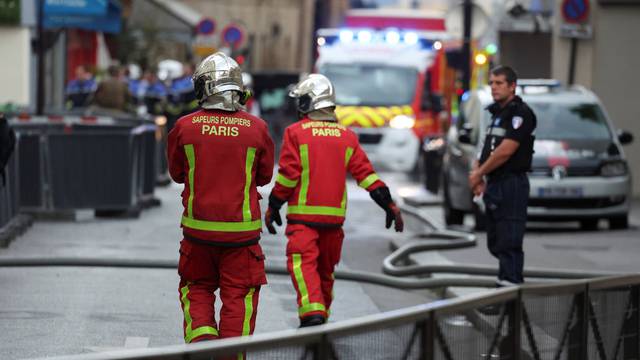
625, 137
464, 134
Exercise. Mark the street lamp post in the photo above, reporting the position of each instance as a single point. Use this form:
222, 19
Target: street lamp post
40, 91
466, 44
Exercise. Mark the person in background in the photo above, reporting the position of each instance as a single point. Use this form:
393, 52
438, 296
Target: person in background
79, 91
152, 93
112, 92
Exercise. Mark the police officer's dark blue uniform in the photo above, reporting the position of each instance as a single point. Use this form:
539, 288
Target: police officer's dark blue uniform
507, 190
503, 163
78, 92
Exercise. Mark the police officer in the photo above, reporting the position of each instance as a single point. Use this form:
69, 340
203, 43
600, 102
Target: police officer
221, 154
79, 90
317, 153
500, 174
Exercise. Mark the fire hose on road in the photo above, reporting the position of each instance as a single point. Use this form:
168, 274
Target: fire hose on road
395, 276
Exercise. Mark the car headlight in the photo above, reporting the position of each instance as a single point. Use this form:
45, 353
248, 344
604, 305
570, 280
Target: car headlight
402, 122
616, 168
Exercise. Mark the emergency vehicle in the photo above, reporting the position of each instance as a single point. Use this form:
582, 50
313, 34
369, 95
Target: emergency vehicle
387, 69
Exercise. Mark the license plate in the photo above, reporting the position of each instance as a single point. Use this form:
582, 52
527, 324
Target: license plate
560, 191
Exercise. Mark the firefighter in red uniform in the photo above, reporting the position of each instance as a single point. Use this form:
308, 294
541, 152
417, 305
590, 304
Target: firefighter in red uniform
317, 153
221, 154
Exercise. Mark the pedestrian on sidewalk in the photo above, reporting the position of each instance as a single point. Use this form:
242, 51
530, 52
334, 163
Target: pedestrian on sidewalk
221, 154
500, 174
112, 92
317, 153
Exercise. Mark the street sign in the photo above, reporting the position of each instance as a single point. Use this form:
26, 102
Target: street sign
575, 19
233, 35
206, 26
575, 11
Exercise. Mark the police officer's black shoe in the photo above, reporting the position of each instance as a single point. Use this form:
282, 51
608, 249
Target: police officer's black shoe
312, 320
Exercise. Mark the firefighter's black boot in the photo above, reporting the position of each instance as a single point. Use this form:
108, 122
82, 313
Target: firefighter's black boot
312, 320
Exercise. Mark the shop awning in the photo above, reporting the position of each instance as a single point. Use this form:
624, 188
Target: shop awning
96, 15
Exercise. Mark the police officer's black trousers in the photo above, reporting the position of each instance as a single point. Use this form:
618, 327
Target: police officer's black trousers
506, 200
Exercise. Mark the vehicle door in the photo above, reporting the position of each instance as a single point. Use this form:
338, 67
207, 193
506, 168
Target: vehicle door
463, 153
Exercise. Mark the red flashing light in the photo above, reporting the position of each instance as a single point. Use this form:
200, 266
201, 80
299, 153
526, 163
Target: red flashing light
459, 92
240, 59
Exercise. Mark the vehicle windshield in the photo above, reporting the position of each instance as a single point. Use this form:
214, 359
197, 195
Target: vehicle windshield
570, 121
373, 85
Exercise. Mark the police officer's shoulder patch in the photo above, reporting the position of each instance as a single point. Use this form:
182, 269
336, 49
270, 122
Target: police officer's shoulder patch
517, 121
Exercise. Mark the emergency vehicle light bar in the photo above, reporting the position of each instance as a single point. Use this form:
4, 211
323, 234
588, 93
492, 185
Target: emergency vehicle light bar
363, 36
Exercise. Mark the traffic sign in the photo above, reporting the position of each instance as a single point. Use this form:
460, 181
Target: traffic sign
206, 26
233, 35
575, 11
575, 19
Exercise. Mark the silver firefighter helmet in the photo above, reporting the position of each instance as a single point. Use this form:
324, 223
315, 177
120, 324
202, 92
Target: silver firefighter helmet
315, 92
215, 75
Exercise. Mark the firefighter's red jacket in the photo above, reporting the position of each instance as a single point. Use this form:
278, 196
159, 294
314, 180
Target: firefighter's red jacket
221, 157
314, 161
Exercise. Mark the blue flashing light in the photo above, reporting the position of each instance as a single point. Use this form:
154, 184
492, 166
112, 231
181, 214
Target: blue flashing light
346, 36
410, 38
426, 43
364, 36
393, 37
465, 96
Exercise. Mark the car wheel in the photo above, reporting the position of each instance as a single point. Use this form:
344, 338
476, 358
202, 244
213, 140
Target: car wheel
480, 219
619, 222
589, 224
451, 216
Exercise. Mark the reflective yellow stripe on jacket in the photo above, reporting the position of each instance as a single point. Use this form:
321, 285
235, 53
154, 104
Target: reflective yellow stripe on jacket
302, 208
190, 221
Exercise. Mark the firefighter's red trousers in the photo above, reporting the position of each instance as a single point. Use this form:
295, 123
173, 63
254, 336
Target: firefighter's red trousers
312, 254
237, 271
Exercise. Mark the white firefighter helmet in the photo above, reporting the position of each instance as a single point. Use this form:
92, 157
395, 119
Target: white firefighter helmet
169, 69
247, 80
313, 93
216, 74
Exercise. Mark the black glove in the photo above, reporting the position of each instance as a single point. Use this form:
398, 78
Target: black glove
273, 213
382, 197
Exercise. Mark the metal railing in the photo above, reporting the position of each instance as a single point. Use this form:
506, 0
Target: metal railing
573, 320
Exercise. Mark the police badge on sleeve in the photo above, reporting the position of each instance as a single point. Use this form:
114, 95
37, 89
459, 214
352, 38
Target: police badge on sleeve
517, 122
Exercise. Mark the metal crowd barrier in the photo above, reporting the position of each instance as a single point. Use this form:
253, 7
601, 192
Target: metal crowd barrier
574, 320
80, 162
12, 223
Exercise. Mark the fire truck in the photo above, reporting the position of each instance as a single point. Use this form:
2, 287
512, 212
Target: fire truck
389, 73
